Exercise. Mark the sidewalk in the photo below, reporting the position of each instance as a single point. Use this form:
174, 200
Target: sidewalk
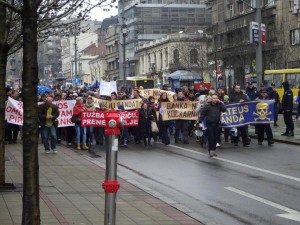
71, 193
277, 131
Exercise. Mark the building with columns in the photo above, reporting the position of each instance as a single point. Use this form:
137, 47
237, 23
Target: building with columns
163, 56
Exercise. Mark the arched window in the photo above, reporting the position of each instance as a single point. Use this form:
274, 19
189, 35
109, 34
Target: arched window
193, 56
176, 56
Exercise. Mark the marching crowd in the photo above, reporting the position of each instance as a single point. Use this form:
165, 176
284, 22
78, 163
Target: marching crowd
211, 103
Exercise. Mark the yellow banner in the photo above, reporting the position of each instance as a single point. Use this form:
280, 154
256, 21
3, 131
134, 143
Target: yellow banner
128, 104
178, 110
146, 93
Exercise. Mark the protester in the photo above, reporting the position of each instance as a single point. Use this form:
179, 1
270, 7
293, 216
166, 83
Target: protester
48, 114
181, 125
251, 92
273, 94
13, 129
287, 109
163, 125
80, 133
89, 105
264, 128
298, 101
145, 119
212, 112
239, 97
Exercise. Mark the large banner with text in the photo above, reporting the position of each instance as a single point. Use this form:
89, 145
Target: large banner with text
129, 104
254, 112
14, 112
97, 118
184, 110
146, 93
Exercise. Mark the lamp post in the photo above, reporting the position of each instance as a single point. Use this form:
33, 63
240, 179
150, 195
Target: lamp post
124, 33
259, 60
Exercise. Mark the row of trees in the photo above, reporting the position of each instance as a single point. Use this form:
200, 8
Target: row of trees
22, 24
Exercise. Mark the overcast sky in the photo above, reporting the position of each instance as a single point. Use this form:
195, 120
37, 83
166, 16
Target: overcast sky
99, 14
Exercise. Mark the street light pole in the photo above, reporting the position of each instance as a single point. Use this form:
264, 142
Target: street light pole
75, 53
124, 33
259, 60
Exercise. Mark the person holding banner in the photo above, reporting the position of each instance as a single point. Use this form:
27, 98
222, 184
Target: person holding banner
237, 96
264, 127
79, 107
181, 125
48, 114
89, 105
212, 112
163, 125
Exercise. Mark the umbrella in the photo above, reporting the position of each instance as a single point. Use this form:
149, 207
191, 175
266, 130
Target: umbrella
43, 89
96, 85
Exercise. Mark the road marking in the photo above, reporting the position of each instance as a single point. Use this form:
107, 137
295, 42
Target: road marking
240, 164
291, 213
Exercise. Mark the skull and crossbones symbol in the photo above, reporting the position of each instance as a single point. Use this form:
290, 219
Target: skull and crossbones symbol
262, 111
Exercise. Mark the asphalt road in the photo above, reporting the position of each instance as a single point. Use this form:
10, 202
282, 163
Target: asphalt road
253, 185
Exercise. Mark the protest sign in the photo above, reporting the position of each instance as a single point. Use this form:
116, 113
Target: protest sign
129, 104
97, 118
183, 110
14, 112
254, 112
146, 93
106, 88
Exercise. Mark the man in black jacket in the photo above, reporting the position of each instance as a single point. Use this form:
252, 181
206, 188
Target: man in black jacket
287, 109
239, 97
212, 112
48, 114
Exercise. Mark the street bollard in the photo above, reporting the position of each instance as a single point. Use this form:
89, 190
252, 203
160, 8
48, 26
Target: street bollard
111, 186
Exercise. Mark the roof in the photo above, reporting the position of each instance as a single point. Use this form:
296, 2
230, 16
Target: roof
94, 50
184, 75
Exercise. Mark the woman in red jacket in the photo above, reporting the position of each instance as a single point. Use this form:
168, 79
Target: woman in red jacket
79, 107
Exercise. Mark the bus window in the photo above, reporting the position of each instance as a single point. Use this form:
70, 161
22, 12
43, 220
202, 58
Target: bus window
278, 79
146, 84
268, 80
293, 79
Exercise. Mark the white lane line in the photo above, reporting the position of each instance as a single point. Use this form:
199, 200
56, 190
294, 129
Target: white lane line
262, 200
240, 164
291, 213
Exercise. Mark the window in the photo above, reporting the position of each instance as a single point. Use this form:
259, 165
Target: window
194, 56
230, 10
295, 37
293, 80
176, 56
294, 5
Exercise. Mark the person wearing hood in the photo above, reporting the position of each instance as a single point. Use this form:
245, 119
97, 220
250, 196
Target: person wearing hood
287, 109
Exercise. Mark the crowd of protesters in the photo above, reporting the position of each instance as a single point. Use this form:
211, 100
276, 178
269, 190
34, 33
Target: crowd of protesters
211, 104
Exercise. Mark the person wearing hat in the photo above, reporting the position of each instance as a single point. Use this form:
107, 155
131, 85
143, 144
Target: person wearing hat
287, 109
251, 91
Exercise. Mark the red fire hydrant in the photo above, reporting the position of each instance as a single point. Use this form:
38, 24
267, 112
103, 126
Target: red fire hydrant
114, 122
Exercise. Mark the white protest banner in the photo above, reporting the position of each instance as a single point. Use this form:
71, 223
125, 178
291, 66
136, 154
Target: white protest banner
65, 109
106, 88
14, 111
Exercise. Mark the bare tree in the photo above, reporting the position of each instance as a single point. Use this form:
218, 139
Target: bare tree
38, 19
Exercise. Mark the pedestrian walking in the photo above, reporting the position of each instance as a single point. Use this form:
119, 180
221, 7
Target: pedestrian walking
79, 107
212, 112
48, 114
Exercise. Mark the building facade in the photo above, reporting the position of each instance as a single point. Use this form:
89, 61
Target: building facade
231, 36
163, 56
152, 19
112, 52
